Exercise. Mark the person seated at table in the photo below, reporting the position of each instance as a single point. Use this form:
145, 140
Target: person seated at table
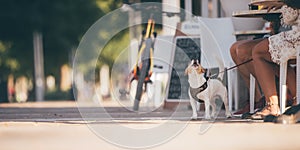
241, 51
270, 52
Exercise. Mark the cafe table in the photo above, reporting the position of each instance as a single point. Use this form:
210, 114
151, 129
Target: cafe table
262, 2
255, 13
255, 33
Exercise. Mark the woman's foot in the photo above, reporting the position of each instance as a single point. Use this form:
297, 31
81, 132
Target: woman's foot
269, 109
291, 102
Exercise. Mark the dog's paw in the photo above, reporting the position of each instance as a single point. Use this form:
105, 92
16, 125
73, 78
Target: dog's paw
228, 115
207, 117
214, 115
194, 117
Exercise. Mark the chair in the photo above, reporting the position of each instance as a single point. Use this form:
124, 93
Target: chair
282, 84
252, 93
216, 40
243, 24
298, 75
282, 81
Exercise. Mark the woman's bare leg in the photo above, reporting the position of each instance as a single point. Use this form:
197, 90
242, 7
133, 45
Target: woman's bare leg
291, 81
233, 50
244, 53
265, 71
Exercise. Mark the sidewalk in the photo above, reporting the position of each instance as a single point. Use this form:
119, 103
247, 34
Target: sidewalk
67, 131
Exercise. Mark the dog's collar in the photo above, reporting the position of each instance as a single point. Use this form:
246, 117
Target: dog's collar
201, 88
195, 91
206, 74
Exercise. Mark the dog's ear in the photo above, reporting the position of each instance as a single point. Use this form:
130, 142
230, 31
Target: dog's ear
200, 69
203, 70
192, 62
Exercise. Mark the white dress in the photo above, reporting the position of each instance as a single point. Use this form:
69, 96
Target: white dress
282, 46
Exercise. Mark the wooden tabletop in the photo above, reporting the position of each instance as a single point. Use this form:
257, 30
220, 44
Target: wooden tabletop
255, 13
252, 32
260, 2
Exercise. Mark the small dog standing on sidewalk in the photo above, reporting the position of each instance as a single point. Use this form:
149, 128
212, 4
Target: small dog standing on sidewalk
204, 89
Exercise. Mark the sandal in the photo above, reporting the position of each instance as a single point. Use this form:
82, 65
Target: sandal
286, 116
291, 102
269, 109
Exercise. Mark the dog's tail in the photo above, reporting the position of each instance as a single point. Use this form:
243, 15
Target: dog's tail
221, 68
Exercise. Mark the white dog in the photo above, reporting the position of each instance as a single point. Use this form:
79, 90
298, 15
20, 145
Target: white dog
205, 89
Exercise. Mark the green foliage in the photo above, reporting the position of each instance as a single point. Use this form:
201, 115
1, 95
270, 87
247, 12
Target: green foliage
107, 5
114, 48
61, 22
7, 64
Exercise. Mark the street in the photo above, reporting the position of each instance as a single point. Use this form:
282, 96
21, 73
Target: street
58, 125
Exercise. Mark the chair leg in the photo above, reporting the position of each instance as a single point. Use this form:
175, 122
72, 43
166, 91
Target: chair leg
236, 90
229, 89
283, 90
232, 90
252, 93
298, 75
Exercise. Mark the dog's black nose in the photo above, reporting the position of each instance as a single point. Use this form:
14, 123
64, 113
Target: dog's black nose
195, 63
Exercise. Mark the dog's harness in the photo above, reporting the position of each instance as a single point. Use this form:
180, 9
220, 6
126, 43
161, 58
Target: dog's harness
195, 91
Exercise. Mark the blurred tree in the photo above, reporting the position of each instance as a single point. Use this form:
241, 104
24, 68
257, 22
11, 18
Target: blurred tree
62, 23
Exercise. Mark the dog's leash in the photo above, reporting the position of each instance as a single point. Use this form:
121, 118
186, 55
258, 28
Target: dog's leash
230, 68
